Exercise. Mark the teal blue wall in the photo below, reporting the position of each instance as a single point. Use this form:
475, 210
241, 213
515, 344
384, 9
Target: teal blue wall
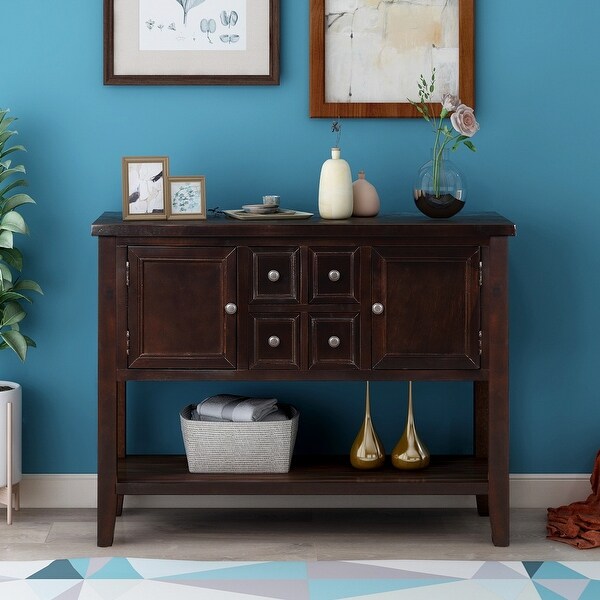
538, 86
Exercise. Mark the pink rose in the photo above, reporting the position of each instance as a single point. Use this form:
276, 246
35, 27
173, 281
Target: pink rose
450, 102
463, 120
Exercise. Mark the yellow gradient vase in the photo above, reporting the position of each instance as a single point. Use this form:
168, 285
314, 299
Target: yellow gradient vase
410, 452
367, 450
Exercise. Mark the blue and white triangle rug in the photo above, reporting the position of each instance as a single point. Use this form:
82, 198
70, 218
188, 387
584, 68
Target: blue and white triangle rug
152, 579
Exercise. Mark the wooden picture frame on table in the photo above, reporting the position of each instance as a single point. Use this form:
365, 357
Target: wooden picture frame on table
366, 58
191, 42
187, 198
144, 187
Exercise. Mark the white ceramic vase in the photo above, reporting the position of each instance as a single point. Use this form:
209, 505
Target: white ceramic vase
335, 188
13, 396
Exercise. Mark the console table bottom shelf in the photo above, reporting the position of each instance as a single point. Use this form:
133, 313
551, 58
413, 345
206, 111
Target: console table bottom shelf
310, 475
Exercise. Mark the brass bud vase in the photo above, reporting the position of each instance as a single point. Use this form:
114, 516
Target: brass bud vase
367, 451
410, 452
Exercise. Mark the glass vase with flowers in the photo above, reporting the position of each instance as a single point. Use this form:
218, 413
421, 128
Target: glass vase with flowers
440, 188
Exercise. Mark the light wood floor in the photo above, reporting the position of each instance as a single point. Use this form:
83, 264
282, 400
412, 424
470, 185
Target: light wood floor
275, 534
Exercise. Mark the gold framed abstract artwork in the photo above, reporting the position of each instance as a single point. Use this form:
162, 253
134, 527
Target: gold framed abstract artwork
366, 56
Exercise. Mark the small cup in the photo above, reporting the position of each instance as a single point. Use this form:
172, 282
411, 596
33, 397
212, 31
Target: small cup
271, 200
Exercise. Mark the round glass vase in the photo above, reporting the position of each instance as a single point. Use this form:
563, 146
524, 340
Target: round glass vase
440, 188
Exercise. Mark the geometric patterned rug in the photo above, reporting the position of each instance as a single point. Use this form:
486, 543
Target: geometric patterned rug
152, 579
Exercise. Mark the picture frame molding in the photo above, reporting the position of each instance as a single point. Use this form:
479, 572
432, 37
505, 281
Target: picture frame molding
318, 107
187, 216
110, 77
125, 162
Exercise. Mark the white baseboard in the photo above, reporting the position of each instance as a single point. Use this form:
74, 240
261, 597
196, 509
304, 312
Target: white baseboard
79, 491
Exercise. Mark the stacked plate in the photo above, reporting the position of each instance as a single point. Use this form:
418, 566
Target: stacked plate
260, 209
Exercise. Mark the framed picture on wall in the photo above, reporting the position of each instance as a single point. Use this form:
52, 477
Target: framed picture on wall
191, 42
366, 57
187, 198
144, 187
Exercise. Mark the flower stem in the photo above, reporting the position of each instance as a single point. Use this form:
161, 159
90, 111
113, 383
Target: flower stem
437, 154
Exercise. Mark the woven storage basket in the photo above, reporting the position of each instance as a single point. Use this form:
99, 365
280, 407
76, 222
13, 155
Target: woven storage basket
224, 447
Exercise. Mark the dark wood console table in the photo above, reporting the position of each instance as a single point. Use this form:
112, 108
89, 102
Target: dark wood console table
388, 298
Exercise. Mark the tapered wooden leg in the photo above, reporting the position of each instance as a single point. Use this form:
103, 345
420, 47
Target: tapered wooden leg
498, 393
483, 507
108, 393
121, 432
107, 514
481, 435
107, 465
498, 463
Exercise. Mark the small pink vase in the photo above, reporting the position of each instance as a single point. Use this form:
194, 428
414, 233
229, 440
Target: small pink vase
365, 198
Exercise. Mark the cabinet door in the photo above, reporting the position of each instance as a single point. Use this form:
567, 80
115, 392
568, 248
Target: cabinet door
176, 307
430, 305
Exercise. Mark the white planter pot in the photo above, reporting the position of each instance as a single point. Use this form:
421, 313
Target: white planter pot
14, 397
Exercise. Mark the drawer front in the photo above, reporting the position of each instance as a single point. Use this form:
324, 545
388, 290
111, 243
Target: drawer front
334, 341
274, 341
334, 275
275, 275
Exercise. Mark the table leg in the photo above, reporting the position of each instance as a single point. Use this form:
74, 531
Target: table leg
496, 298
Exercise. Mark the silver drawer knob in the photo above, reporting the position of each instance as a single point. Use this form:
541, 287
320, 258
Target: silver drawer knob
274, 341
273, 275
334, 341
334, 275
377, 308
230, 308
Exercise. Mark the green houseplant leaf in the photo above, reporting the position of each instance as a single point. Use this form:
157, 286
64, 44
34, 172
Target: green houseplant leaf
13, 313
12, 291
13, 221
16, 342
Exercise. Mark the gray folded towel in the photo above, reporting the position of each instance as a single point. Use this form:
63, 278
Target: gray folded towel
279, 415
230, 407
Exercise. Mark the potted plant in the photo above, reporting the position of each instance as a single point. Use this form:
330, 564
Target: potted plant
13, 293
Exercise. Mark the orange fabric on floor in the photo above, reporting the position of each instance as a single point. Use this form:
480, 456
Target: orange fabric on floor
578, 524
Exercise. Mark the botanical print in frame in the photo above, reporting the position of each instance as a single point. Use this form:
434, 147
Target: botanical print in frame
187, 198
366, 56
191, 42
192, 25
144, 187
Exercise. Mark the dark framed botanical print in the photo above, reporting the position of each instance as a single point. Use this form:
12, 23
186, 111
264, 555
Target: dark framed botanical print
191, 42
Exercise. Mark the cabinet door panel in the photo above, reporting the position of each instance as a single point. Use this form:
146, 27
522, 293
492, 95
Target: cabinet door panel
431, 307
177, 316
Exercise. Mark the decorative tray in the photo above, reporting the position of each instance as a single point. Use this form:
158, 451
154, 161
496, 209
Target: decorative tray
282, 213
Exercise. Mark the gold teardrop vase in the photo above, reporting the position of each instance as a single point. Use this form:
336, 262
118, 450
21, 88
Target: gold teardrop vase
410, 452
367, 450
